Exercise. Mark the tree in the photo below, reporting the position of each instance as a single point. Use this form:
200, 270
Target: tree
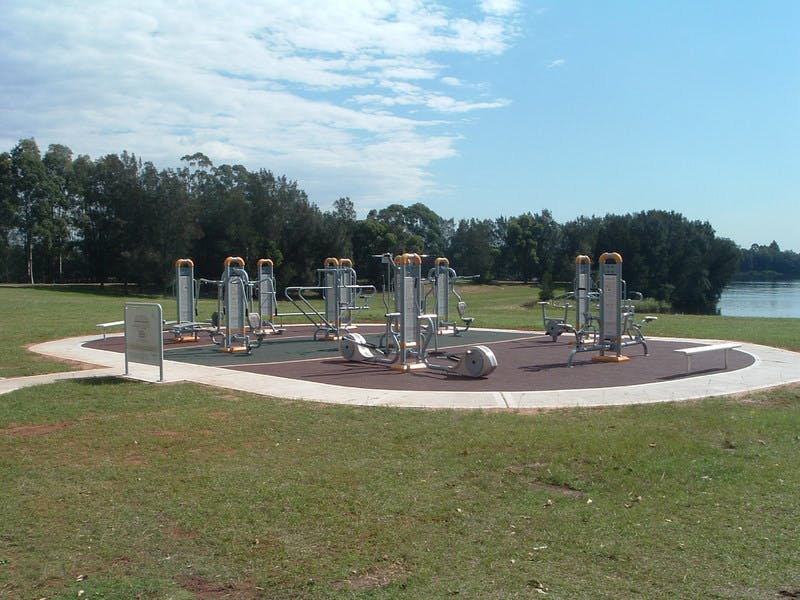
417, 228
549, 242
521, 239
7, 202
471, 250
339, 225
424, 223
371, 239
578, 237
344, 210
306, 246
32, 194
108, 225
404, 240
60, 232
165, 223
768, 263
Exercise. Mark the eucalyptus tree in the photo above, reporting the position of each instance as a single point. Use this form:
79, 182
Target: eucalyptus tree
522, 239
549, 243
240, 231
219, 198
108, 224
339, 227
305, 242
267, 213
6, 215
61, 233
32, 197
504, 262
471, 250
164, 220
577, 237
416, 228
372, 238
427, 225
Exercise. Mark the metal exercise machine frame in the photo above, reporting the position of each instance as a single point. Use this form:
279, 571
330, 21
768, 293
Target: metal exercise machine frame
234, 299
583, 294
267, 297
617, 314
409, 332
186, 327
340, 293
442, 280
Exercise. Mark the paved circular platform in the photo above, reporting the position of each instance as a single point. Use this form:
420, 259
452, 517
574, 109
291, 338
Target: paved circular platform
532, 371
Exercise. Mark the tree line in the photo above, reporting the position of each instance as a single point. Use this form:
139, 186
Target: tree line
119, 219
768, 263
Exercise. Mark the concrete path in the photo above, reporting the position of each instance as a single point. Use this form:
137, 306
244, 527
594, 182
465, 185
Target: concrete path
772, 367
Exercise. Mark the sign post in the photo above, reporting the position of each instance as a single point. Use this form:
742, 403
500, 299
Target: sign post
144, 340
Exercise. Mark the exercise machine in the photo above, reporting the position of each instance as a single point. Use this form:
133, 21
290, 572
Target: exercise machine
607, 334
342, 298
409, 332
442, 280
186, 327
583, 295
267, 298
234, 331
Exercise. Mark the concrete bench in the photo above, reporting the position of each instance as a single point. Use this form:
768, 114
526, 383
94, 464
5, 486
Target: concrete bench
106, 326
723, 347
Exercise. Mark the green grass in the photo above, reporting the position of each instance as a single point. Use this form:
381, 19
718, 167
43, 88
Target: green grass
155, 491
123, 489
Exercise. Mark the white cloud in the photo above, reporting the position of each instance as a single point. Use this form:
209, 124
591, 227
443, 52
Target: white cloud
345, 95
554, 64
453, 81
500, 7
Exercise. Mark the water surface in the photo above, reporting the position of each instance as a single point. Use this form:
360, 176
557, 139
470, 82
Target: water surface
761, 299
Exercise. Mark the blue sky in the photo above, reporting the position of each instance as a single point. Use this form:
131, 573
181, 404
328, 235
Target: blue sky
477, 109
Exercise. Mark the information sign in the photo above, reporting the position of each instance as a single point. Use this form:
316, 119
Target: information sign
144, 340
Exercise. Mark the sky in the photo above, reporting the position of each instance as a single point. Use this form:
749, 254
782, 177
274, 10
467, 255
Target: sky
477, 109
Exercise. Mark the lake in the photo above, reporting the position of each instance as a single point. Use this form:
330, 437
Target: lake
761, 299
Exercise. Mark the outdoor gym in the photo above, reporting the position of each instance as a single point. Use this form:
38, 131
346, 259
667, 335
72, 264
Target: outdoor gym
589, 348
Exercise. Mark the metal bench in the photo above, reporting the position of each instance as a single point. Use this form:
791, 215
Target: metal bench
106, 326
723, 347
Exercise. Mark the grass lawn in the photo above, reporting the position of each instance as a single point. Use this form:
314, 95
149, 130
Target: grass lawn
119, 489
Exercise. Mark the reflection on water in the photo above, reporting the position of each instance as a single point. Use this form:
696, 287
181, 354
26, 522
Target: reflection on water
761, 299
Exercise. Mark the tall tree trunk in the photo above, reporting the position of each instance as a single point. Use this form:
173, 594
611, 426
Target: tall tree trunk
30, 262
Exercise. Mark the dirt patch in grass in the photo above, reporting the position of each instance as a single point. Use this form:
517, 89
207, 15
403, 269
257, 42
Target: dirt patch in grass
560, 490
177, 533
522, 468
169, 434
219, 414
377, 577
210, 590
532, 469
33, 430
223, 451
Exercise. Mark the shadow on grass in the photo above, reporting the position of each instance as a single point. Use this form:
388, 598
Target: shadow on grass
103, 381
